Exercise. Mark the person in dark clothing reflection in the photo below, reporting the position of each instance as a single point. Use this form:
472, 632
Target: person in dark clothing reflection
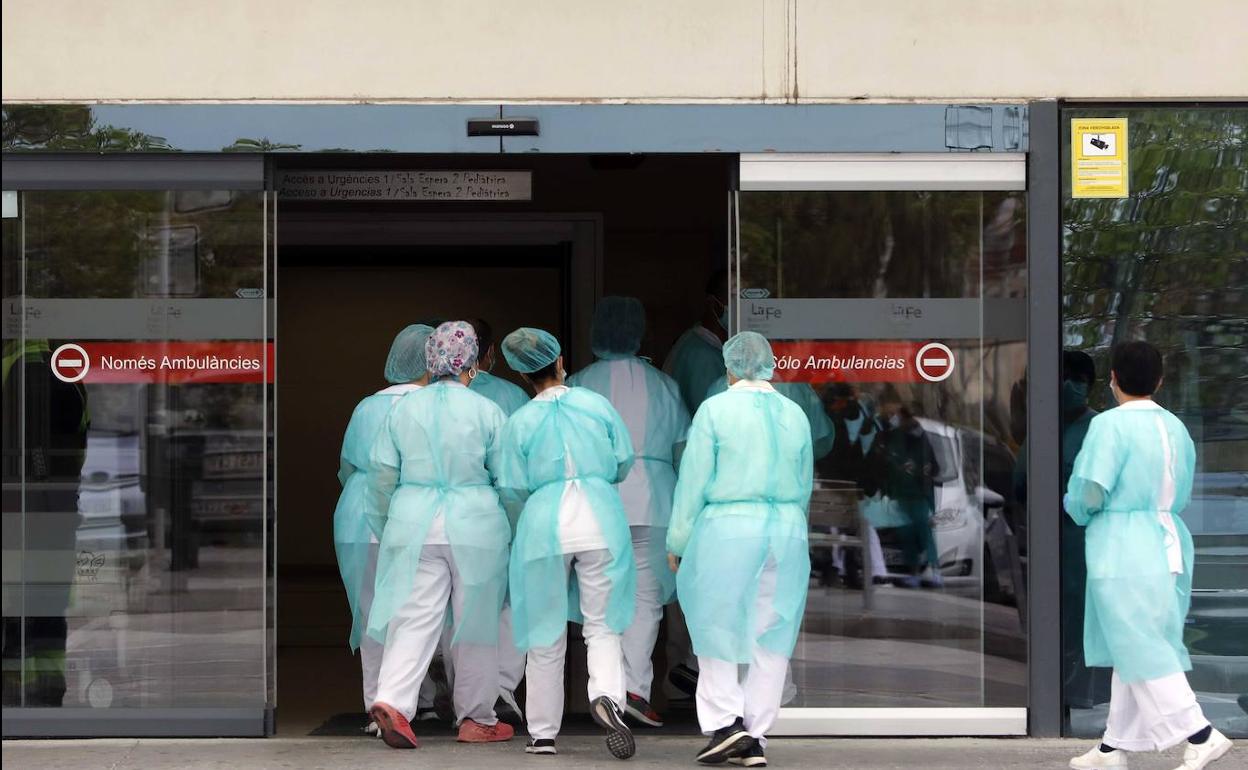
904, 460
53, 451
1084, 687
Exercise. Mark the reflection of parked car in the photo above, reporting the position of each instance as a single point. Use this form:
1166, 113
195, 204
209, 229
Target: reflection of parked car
229, 494
969, 523
110, 498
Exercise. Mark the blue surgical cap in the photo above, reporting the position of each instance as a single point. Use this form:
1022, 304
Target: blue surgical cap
529, 350
748, 357
406, 361
619, 323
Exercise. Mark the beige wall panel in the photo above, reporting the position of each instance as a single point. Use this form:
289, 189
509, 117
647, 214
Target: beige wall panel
989, 48
383, 49
635, 50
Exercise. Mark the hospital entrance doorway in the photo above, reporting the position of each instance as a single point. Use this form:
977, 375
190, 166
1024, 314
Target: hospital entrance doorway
351, 274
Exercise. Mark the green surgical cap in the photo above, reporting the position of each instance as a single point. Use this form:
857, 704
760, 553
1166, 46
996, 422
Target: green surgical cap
748, 356
406, 361
619, 324
529, 350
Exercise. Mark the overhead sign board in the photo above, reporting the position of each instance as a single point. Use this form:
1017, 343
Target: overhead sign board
1098, 153
404, 185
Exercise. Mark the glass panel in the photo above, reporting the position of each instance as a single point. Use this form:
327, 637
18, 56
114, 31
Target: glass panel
1169, 265
134, 481
917, 518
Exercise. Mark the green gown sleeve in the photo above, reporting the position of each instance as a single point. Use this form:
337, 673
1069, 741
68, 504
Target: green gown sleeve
385, 462
697, 463
1096, 471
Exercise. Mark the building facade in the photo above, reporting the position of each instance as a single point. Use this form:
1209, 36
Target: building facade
216, 217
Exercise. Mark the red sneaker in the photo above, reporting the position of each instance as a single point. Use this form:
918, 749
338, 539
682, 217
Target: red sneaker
395, 730
475, 732
638, 708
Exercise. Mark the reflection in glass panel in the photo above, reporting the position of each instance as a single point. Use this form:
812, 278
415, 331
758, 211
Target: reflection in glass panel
140, 522
1169, 265
918, 518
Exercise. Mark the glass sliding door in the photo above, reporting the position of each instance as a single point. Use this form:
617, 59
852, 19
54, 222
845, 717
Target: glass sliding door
1169, 264
137, 378
893, 290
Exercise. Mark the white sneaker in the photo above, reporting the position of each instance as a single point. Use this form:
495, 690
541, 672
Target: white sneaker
371, 728
1202, 755
1097, 758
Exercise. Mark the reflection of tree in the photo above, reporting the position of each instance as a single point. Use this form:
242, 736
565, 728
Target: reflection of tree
104, 243
260, 145
71, 128
1170, 263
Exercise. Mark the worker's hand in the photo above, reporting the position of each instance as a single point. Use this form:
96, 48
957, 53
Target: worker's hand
673, 561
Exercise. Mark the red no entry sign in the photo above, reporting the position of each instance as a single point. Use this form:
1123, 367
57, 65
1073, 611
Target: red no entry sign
934, 362
70, 363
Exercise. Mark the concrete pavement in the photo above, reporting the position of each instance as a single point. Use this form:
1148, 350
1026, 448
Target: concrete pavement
575, 752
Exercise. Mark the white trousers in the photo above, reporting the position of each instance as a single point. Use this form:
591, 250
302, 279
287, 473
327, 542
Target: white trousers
639, 638
370, 649
604, 657
510, 663
412, 638
725, 692
1153, 715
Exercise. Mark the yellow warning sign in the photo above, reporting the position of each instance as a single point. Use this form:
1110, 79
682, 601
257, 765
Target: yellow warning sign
1098, 152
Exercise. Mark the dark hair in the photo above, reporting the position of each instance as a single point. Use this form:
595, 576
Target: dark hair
485, 335
1077, 365
548, 372
1138, 368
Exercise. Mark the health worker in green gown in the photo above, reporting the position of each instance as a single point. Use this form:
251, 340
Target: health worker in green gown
650, 404
508, 395
1131, 482
509, 398
444, 545
697, 358
356, 536
822, 430
738, 540
561, 456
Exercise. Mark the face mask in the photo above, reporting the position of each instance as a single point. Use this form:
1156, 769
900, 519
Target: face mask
1074, 395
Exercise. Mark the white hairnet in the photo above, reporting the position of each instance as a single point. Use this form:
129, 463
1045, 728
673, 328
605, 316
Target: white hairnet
529, 350
406, 361
619, 324
748, 356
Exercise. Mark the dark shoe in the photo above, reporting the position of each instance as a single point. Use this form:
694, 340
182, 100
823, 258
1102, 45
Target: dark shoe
541, 746
726, 743
443, 703
620, 740
395, 730
507, 713
684, 679
753, 756
639, 708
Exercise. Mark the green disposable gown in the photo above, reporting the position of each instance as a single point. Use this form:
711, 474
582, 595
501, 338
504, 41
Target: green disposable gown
508, 395
547, 443
741, 496
355, 533
649, 402
822, 430
1131, 480
695, 361
436, 455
